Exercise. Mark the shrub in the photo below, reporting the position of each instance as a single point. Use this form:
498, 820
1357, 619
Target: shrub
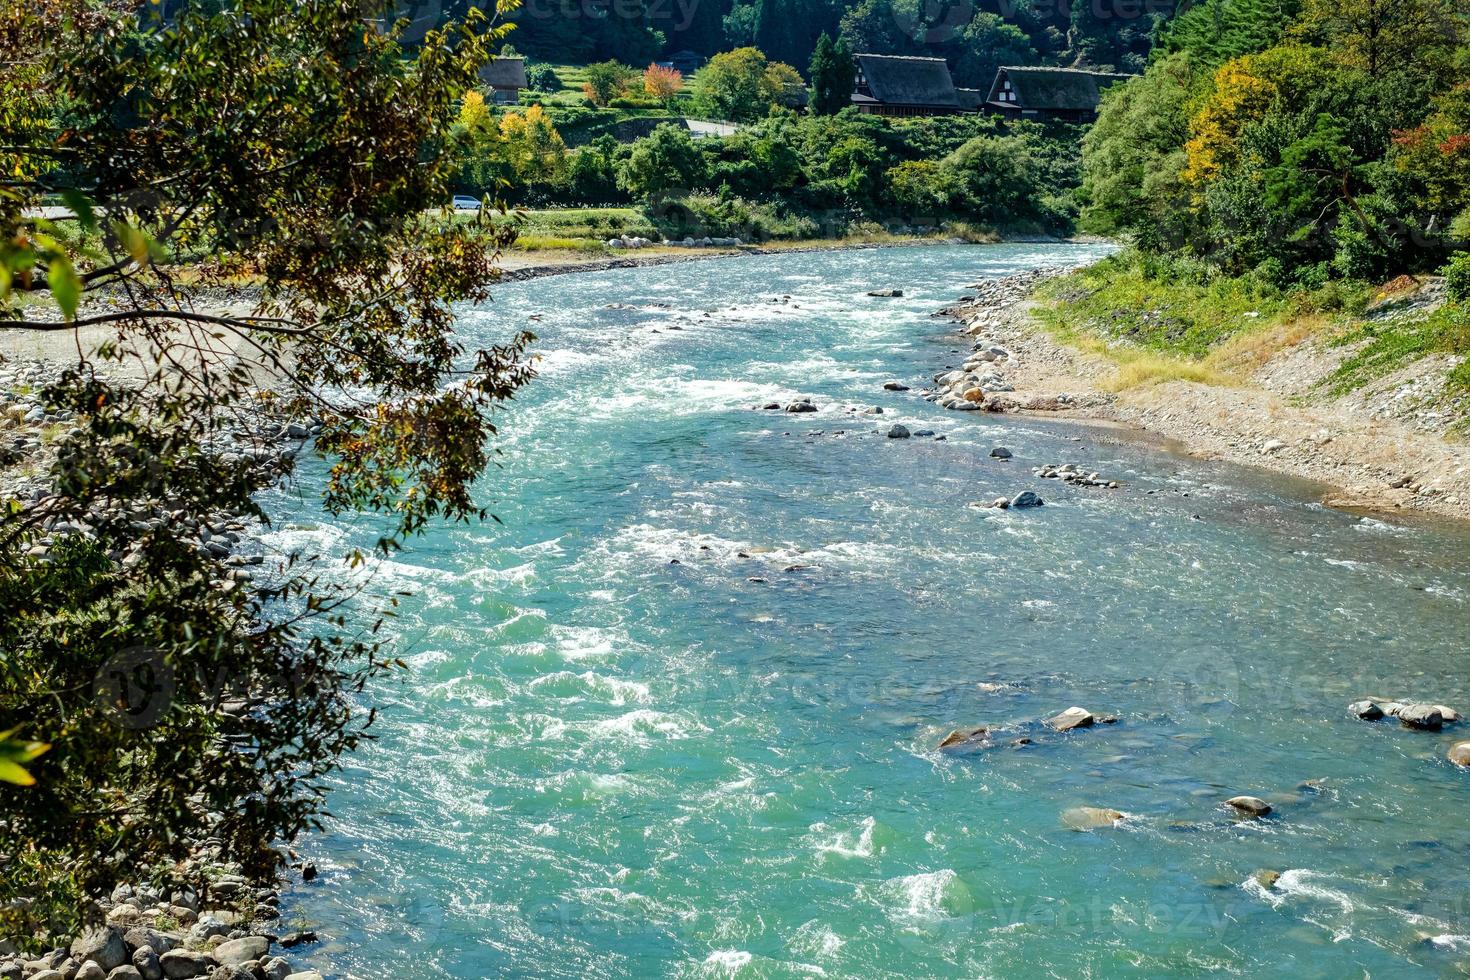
1457, 278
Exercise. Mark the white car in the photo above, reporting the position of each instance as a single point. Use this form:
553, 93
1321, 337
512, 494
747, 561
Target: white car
463, 202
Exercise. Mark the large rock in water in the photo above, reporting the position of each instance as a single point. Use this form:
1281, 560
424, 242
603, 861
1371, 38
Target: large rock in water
238, 951
1426, 717
1073, 717
886, 293
1459, 754
1026, 498
1249, 806
1366, 710
1091, 818
898, 431
961, 737
103, 946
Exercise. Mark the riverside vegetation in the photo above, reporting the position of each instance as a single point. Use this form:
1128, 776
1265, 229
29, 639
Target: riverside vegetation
245, 256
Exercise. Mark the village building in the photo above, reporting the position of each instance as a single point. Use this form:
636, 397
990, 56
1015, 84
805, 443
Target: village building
896, 85
1066, 94
505, 77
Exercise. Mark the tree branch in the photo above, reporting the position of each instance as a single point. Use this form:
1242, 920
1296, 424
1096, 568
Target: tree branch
264, 324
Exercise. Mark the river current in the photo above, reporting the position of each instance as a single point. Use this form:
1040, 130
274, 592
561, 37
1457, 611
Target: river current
677, 715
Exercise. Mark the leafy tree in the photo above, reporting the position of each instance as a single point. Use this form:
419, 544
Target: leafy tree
289, 156
662, 83
664, 163
1133, 157
1247, 90
592, 172
987, 43
1380, 36
542, 78
832, 72
606, 81
742, 85
533, 148
1437, 155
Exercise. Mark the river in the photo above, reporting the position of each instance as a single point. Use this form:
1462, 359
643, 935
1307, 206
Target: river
678, 714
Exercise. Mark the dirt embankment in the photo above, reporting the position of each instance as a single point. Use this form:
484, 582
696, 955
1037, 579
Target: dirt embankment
1382, 447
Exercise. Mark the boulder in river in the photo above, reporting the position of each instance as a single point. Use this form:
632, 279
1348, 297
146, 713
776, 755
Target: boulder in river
801, 405
1249, 806
1266, 878
1000, 452
961, 737
895, 386
1425, 717
1091, 818
237, 952
885, 293
897, 431
1073, 717
1366, 710
1459, 754
1026, 498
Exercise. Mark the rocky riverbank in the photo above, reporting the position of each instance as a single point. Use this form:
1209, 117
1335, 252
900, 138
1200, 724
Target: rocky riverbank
210, 921
1274, 418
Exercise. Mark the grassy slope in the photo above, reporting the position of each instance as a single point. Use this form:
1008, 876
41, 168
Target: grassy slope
1163, 322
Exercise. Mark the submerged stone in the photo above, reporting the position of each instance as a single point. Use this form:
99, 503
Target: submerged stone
1266, 878
1085, 818
964, 736
1249, 806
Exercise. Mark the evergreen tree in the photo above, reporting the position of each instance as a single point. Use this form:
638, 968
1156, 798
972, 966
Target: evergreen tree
832, 74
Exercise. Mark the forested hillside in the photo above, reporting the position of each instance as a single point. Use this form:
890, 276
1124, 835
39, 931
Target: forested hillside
1330, 141
974, 38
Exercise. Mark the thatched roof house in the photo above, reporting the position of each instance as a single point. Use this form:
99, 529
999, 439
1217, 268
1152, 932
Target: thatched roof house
506, 76
1070, 94
892, 85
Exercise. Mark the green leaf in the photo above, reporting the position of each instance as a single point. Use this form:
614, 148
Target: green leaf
134, 241
12, 773
66, 285
13, 753
81, 206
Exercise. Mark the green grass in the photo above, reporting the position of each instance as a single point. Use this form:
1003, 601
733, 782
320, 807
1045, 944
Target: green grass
1179, 310
1162, 320
1395, 344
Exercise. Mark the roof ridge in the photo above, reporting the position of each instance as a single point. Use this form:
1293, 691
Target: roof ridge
1075, 71
895, 57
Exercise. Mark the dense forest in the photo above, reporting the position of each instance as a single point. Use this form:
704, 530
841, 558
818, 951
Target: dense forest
974, 38
1333, 142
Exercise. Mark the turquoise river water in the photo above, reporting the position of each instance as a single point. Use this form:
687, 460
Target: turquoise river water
625, 750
